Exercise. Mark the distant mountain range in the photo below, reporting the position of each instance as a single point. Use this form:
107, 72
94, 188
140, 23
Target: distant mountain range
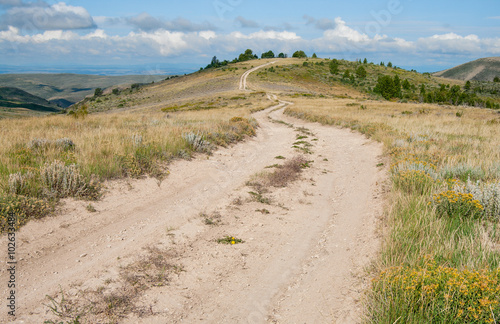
484, 69
66, 89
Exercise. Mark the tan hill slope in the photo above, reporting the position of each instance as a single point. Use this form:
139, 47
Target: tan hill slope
14, 102
484, 69
66, 89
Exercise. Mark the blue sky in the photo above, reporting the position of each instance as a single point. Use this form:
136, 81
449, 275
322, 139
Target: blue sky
425, 35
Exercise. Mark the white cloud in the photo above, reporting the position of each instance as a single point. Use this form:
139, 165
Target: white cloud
98, 33
207, 34
341, 30
450, 43
265, 35
51, 35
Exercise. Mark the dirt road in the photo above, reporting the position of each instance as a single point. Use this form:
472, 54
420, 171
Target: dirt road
304, 250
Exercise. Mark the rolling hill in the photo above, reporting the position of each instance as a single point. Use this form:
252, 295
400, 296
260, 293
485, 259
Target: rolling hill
14, 101
484, 69
66, 89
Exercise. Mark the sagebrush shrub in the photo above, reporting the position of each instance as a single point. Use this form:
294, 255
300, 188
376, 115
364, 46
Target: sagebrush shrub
63, 144
488, 195
61, 181
198, 143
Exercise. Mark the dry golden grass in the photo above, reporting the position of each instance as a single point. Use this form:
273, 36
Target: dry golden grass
473, 138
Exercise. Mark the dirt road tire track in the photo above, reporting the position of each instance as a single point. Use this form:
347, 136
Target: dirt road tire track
302, 263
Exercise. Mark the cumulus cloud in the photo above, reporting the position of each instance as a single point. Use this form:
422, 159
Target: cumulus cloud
42, 16
341, 30
146, 22
245, 23
451, 43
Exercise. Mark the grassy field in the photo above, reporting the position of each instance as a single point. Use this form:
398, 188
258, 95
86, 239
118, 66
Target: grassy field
441, 251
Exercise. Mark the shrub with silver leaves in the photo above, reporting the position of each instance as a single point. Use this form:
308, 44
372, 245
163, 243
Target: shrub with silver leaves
63, 144
488, 194
60, 181
19, 183
197, 143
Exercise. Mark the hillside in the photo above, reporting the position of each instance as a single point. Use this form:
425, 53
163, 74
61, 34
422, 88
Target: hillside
299, 77
14, 102
66, 89
484, 69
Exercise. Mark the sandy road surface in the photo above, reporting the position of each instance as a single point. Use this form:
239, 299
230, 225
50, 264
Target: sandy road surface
302, 261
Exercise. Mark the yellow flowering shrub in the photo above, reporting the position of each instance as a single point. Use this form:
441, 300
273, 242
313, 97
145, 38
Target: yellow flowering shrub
457, 204
413, 175
22, 209
437, 294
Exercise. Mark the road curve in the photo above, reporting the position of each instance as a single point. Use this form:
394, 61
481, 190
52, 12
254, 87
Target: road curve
243, 78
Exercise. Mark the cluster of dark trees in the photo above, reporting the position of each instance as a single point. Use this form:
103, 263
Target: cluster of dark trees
249, 55
455, 96
391, 87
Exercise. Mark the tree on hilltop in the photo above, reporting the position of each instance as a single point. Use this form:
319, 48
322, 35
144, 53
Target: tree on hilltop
269, 54
248, 55
299, 54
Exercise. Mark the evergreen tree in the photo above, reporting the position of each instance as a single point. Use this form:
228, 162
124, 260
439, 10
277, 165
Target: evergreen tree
467, 85
396, 88
334, 66
406, 84
361, 72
